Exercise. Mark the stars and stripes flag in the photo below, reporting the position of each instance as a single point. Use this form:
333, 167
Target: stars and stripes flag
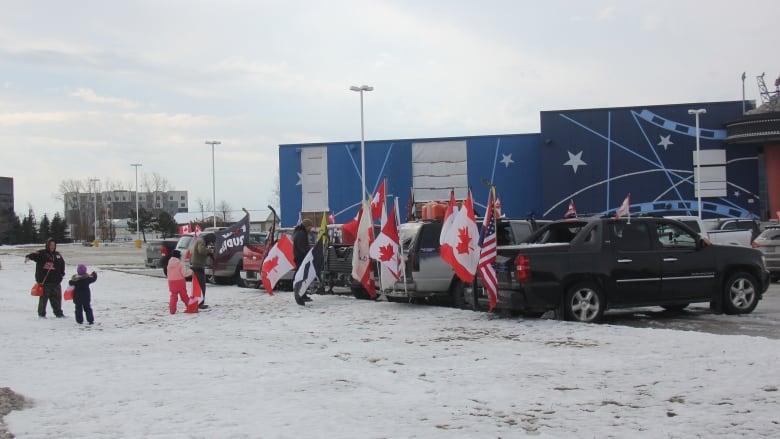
487, 257
571, 211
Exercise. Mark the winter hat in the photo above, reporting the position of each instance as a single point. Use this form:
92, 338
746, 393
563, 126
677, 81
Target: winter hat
176, 254
81, 269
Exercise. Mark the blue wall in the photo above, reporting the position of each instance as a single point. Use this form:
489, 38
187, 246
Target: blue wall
511, 162
596, 157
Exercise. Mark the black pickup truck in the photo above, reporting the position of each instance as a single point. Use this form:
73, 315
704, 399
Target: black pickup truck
582, 267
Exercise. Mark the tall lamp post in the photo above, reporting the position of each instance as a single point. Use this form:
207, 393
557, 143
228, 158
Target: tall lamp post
91, 182
697, 180
137, 216
213, 181
361, 89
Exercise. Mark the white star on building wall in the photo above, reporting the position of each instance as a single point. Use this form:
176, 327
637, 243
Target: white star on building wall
665, 141
575, 161
507, 159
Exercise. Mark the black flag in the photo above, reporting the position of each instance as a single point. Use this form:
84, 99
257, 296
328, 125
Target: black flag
231, 240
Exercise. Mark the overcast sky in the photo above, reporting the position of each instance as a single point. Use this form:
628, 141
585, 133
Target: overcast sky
89, 87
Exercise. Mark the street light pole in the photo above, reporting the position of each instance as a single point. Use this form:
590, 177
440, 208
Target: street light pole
137, 216
213, 181
91, 181
361, 89
697, 175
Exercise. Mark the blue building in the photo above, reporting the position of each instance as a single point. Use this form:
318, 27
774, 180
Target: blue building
595, 157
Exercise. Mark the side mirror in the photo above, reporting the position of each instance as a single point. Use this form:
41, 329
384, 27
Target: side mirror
704, 242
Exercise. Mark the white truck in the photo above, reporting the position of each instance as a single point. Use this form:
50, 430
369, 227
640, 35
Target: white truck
740, 237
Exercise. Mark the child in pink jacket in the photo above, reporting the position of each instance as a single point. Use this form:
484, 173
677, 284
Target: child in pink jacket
177, 282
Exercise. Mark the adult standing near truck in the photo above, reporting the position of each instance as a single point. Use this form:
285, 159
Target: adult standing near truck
203, 247
301, 247
49, 271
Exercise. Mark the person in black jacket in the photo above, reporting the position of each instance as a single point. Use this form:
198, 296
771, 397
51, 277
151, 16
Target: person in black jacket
81, 293
301, 247
49, 271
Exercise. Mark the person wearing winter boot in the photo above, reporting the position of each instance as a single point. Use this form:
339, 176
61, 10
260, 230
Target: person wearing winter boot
177, 281
200, 253
82, 296
49, 271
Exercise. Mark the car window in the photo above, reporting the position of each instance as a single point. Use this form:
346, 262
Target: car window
519, 232
184, 242
561, 232
257, 238
631, 236
406, 233
670, 235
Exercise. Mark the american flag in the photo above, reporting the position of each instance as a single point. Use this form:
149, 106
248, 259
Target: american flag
487, 257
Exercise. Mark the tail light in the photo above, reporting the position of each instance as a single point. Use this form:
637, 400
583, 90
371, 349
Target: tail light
754, 244
187, 255
164, 251
523, 268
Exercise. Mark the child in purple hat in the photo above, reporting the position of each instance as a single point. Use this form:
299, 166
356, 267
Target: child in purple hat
81, 294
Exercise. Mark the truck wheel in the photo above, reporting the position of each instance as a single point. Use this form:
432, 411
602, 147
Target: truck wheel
360, 293
740, 294
457, 291
584, 303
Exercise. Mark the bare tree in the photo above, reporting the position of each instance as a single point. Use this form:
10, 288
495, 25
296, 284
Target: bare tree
224, 209
202, 206
155, 182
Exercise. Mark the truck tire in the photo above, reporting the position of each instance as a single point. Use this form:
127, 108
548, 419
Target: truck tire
740, 294
584, 303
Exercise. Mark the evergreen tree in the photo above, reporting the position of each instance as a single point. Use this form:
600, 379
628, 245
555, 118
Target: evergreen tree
147, 220
58, 228
27, 233
166, 225
44, 229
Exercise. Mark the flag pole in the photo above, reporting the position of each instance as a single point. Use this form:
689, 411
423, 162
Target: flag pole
397, 220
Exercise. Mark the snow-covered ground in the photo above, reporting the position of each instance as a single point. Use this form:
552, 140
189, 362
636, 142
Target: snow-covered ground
259, 366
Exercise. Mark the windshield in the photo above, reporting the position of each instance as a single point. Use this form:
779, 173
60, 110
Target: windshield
563, 231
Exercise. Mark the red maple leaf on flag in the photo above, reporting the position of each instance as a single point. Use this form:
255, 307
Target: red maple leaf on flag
386, 252
464, 240
272, 263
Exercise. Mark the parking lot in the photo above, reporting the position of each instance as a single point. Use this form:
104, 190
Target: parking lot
764, 321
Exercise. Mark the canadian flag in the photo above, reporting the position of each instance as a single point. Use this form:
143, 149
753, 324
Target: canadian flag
385, 248
449, 216
377, 202
278, 262
195, 297
461, 249
361, 259
624, 210
572, 211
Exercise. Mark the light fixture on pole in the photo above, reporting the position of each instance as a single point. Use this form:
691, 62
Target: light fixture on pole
213, 181
697, 174
137, 216
91, 182
361, 89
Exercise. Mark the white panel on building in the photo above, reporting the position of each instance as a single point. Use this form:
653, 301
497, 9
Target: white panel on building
710, 177
314, 181
438, 167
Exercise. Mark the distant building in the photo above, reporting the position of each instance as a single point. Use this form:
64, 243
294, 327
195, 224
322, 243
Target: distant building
81, 212
6, 206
